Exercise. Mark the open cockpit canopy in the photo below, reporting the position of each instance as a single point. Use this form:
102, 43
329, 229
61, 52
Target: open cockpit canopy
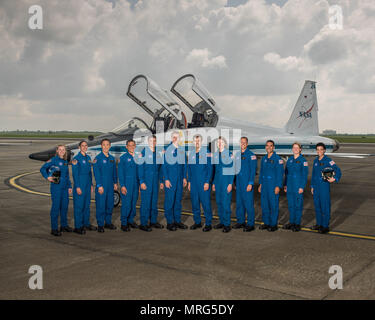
158, 103
197, 98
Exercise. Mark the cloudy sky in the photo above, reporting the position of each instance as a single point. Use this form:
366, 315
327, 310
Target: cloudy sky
253, 56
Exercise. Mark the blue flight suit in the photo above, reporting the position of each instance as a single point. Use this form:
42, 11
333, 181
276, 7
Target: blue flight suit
296, 172
128, 178
322, 190
200, 172
59, 192
271, 176
105, 176
174, 169
82, 178
148, 166
224, 176
245, 176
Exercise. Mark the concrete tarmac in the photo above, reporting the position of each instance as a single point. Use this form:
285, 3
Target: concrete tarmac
185, 264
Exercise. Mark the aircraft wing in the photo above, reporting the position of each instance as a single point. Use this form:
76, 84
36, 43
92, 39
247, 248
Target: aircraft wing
349, 155
307, 154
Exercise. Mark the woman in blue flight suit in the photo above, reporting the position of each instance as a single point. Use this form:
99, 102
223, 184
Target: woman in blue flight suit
321, 189
59, 191
296, 172
82, 178
223, 183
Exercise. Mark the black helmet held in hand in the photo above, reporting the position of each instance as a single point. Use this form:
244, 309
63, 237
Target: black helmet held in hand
328, 173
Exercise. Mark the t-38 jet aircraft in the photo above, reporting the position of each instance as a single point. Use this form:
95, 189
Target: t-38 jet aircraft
167, 115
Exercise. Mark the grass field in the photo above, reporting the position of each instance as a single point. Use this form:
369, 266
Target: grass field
353, 138
73, 135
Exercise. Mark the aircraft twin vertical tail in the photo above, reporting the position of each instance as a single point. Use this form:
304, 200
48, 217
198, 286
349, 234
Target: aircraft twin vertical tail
304, 118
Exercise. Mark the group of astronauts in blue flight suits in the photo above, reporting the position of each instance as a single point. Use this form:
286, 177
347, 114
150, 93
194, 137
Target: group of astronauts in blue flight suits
200, 171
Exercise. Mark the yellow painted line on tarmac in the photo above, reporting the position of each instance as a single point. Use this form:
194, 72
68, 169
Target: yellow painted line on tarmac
14, 184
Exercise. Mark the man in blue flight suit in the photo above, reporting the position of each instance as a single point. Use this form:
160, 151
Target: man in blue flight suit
105, 173
321, 190
199, 180
246, 163
174, 174
149, 163
296, 172
129, 186
270, 182
59, 191
223, 183
82, 178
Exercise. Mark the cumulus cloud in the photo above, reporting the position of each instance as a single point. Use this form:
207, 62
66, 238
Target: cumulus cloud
284, 64
203, 58
253, 56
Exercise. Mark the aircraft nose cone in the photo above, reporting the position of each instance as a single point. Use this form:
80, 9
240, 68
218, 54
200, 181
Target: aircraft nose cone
43, 155
336, 146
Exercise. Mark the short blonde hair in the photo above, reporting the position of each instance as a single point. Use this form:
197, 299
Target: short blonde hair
298, 144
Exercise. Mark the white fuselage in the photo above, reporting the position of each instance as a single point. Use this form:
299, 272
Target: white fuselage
234, 129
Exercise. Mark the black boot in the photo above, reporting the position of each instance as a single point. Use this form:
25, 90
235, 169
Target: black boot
56, 233
316, 227
248, 228
171, 227
66, 229
264, 226
296, 228
226, 229
100, 229
180, 225
196, 226
288, 226
156, 225
90, 228
110, 226
324, 230
133, 225
79, 230
272, 229
145, 228
219, 226
125, 228
207, 228
239, 225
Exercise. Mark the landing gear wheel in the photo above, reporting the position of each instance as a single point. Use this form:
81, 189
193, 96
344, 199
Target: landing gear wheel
116, 198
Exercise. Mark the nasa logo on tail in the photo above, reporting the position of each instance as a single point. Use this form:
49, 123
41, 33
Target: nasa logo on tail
304, 119
306, 114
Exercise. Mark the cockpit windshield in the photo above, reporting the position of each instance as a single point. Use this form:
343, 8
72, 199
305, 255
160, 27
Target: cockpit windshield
154, 100
130, 125
197, 98
192, 92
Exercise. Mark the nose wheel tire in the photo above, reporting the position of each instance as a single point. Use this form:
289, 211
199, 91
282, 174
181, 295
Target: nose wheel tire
116, 198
